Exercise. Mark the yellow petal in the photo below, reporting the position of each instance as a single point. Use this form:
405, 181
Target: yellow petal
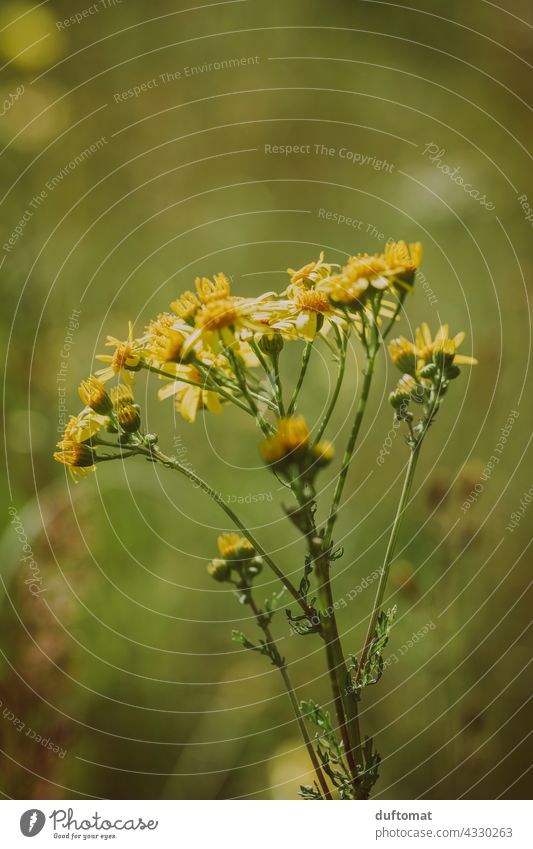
306, 325
462, 359
168, 390
190, 403
212, 402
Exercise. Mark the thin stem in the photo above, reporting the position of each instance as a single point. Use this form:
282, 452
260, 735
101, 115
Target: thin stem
350, 732
347, 718
272, 375
215, 387
380, 594
282, 666
277, 384
341, 480
154, 453
247, 393
401, 298
342, 342
303, 368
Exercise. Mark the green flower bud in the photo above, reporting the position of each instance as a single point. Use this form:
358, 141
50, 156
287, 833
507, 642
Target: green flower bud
429, 371
444, 354
452, 372
271, 345
219, 569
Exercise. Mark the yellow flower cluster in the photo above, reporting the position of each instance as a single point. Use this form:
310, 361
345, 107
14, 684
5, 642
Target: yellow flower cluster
116, 413
291, 446
204, 325
209, 334
412, 357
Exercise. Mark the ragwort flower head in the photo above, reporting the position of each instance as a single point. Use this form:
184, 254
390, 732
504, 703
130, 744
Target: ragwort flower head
223, 318
188, 398
125, 359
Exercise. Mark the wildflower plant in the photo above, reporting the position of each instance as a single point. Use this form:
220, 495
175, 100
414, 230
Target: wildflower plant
208, 351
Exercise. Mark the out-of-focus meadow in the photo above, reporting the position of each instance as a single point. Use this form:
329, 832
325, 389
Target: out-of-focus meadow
130, 166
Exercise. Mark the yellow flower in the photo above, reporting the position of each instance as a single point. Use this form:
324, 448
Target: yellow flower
186, 306
165, 343
223, 315
323, 452
360, 274
291, 439
219, 569
311, 273
127, 356
403, 354
78, 457
364, 272
232, 545
93, 394
402, 261
126, 411
82, 427
427, 346
189, 399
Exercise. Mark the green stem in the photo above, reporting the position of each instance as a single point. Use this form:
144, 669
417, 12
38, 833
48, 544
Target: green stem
380, 594
341, 480
282, 666
214, 387
277, 385
303, 369
346, 713
154, 453
272, 375
247, 393
343, 344
392, 322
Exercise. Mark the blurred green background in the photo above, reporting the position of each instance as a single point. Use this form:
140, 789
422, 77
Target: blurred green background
125, 661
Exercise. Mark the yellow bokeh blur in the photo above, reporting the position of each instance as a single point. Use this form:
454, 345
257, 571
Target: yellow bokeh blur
29, 36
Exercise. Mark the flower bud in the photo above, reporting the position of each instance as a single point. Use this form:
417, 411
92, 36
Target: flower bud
429, 371
128, 417
219, 569
323, 452
397, 399
255, 566
444, 354
452, 372
94, 395
232, 546
403, 355
271, 345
